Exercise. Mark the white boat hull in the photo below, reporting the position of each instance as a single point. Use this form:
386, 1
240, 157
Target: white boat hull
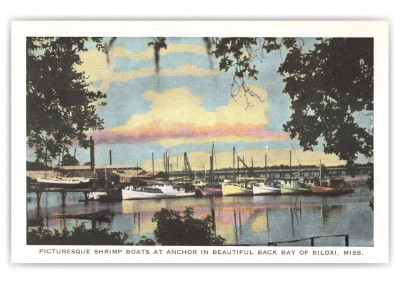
260, 190
73, 183
130, 192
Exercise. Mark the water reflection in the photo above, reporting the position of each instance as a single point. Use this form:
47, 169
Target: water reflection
249, 220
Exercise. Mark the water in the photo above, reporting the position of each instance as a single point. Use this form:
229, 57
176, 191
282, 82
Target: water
247, 220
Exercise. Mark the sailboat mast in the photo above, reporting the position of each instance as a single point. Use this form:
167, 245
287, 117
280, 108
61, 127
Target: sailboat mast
212, 165
211, 170
233, 164
152, 162
105, 176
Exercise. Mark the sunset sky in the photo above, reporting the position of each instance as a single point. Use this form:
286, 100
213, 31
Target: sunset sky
186, 107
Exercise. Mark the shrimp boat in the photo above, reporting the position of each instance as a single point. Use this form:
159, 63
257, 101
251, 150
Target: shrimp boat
333, 186
240, 185
294, 185
62, 181
209, 189
271, 187
66, 182
268, 186
148, 192
243, 186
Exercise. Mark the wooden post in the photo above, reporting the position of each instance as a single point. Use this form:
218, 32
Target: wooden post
312, 242
38, 196
63, 195
86, 197
346, 240
213, 221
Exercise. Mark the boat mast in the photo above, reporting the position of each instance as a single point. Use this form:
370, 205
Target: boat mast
233, 165
105, 176
212, 165
152, 162
167, 163
266, 167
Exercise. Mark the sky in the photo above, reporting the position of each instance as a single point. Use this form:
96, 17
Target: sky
186, 107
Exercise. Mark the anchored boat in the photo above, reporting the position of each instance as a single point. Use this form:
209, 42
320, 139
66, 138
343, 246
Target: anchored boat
68, 182
332, 186
271, 187
294, 185
148, 192
209, 189
243, 186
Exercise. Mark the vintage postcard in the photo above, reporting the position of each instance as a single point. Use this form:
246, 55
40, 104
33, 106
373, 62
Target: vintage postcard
200, 142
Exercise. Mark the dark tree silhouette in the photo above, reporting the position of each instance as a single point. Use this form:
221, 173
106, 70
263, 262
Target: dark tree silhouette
328, 85
69, 160
60, 106
158, 43
176, 229
79, 235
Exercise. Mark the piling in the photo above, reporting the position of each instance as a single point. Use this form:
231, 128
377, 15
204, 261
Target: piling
38, 196
346, 240
63, 195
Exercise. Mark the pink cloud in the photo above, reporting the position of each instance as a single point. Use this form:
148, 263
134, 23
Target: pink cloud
190, 132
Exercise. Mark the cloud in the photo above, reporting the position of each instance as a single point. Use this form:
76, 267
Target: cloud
95, 65
171, 48
177, 116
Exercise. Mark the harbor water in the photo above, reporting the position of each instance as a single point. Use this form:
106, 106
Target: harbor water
246, 220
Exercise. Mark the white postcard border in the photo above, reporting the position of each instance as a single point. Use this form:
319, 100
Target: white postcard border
22, 253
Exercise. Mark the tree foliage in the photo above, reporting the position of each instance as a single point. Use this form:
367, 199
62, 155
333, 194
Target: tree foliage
328, 85
69, 160
77, 236
158, 43
176, 229
60, 105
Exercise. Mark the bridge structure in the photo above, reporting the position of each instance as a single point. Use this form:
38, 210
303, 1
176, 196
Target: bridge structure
278, 173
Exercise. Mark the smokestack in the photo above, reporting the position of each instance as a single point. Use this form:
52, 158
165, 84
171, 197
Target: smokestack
91, 143
110, 157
